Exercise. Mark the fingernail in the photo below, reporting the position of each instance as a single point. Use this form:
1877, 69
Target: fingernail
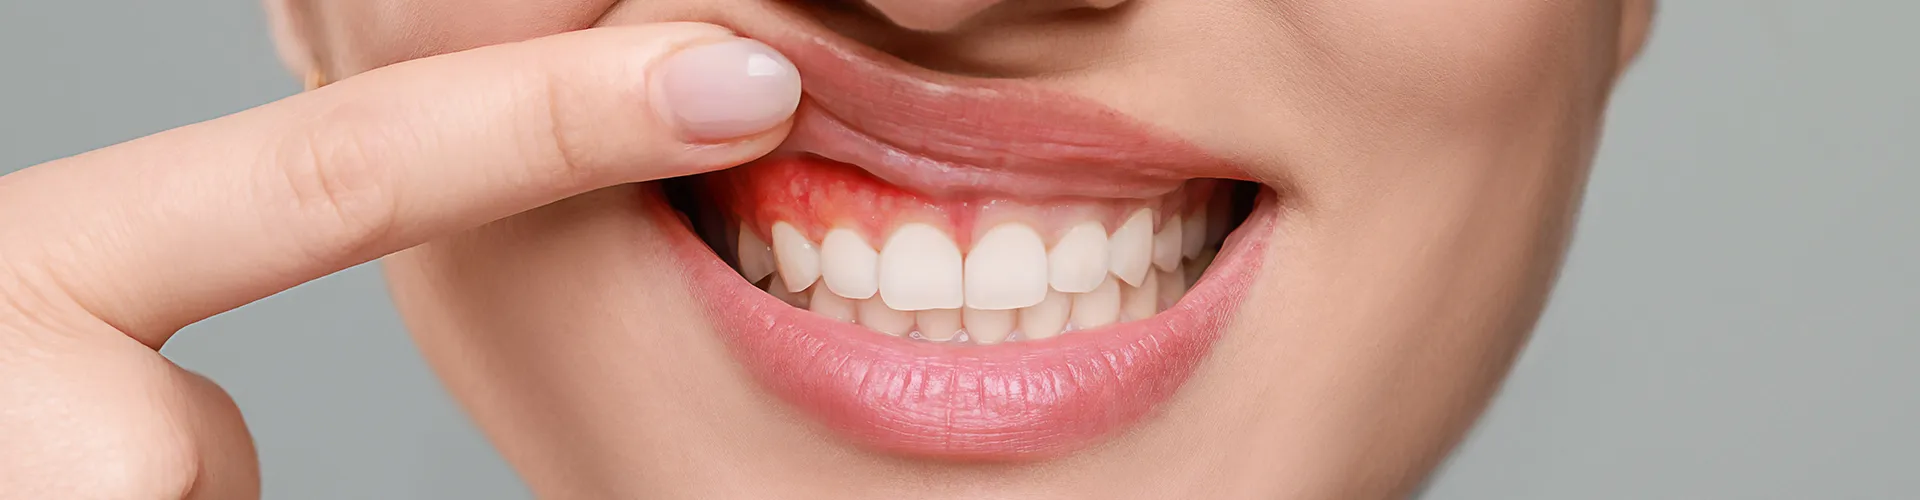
728, 90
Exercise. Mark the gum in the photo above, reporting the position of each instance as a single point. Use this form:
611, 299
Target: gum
817, 195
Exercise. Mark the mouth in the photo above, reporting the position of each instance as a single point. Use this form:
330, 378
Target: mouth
967, 269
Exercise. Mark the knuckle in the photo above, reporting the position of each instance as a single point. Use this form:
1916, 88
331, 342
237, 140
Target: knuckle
565, 136
340, 184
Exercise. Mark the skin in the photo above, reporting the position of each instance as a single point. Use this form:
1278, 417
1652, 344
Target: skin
1429, 158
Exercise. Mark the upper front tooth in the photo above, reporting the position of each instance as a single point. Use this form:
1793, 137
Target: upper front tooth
798, 259
1007, 269
1130, 250
756, 258
1166, 245
1078, 263
920, 269
850, 267
1194, 234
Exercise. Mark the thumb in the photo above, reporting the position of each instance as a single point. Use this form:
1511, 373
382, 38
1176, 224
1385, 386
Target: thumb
194, 221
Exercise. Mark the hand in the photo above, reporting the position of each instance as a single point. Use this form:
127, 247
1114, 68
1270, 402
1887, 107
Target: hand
105, 255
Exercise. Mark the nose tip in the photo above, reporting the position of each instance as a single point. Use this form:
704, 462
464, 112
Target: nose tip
945, 15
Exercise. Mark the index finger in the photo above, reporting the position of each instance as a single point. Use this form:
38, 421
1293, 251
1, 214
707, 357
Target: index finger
166, 230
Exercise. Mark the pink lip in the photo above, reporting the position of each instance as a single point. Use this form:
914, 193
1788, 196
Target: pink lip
1023, 400
943, 134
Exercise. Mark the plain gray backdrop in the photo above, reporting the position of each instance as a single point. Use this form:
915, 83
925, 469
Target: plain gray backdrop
1739, 318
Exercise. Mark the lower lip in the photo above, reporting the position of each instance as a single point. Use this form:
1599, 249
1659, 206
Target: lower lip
1015, 401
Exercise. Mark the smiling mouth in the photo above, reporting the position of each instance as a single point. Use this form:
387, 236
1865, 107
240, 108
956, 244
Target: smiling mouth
967, 269
832, 239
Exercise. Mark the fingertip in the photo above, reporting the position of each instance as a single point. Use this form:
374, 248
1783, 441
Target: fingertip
726, 91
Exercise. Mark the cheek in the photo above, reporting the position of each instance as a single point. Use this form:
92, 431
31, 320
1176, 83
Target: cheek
1447, 60
368, 34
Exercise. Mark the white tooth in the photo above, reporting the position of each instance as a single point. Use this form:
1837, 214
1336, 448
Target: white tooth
1193, 233
826, 303
1173, 285
938, 324
798, 258
1097, 308
1130, 250
756, 258
920, 269
1078, 263
1007, 269
876, 315
1166, 244
1140, 302
850, 267
778, 289
987, 327
1046, 319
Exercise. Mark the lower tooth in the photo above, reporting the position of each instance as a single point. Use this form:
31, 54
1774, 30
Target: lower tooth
778, 288
1048, 318
1173, 285
825, 303
876, 315
938, 324
1142, 301
987, 327
1097, 308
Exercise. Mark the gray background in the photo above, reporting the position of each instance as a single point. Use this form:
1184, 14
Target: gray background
1739, 319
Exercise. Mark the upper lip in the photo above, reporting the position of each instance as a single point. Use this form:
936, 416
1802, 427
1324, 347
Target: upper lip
944, 134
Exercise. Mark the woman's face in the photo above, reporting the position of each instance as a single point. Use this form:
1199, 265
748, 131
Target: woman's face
1418, 165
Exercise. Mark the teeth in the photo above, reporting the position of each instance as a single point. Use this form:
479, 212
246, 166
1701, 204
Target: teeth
1130, 249
1193, 232
1173, 284
1078, 263
1166, 245
798, 259
850, 267
1142, 301
876, 315
1010, 286
778, 288
1046, 319
832, 305
756, 258
1007, 269
987, 327
938, 324
920, 269
1097, 308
